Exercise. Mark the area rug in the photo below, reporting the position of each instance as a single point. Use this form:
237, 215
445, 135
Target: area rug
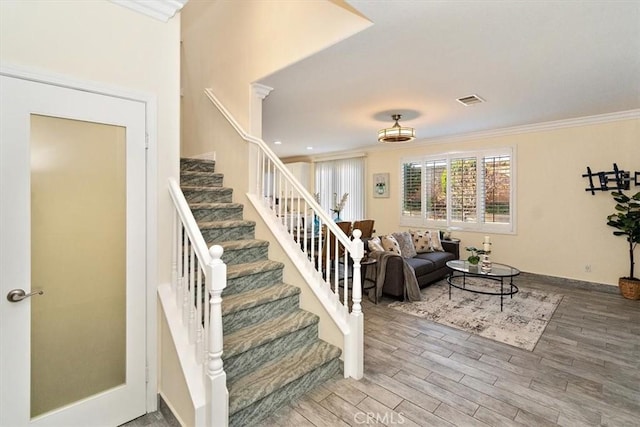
520, 324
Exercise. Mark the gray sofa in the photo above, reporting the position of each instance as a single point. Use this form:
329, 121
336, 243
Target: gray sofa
429, 267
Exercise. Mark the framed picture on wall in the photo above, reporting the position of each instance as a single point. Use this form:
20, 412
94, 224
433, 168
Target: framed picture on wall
380, 185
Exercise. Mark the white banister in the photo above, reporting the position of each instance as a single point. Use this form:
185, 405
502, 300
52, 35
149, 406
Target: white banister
332, 256
198, 271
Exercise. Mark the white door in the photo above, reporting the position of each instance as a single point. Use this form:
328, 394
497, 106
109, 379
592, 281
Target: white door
72, 224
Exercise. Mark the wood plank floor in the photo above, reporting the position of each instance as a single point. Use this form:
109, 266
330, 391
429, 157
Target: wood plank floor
584, 371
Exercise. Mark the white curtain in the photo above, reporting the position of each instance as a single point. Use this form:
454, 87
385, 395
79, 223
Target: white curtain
336, 177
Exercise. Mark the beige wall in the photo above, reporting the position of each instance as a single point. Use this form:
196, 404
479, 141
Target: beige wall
102, 42
227, 45
109, 45
561, 228
173, 386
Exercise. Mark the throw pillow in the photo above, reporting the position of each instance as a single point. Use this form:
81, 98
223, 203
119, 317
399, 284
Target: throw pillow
390, 244
421, 241
436, 244
375, 245
406, 244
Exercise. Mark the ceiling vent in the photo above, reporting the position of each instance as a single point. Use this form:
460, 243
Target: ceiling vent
470, 100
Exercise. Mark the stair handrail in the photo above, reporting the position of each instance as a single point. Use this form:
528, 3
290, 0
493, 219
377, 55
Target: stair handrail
308, 197
348, 316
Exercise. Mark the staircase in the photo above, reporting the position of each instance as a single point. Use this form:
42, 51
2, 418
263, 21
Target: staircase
272, 353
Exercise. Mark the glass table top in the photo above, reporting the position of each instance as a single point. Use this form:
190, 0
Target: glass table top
497, 270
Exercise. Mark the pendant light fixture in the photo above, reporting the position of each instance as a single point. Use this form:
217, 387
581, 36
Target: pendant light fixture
396, 133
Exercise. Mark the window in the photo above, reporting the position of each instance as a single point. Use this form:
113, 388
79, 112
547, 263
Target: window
336, 177
472, 191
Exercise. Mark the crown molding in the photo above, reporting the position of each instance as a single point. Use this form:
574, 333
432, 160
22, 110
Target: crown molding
162, 10
515, 130
260, 90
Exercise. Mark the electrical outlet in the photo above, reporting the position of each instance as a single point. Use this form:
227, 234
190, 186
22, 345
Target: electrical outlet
587, 268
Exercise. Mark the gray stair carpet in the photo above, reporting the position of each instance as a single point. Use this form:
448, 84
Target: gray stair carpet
272, 353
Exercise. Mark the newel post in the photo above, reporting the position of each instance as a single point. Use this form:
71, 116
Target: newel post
355, 356
216, 378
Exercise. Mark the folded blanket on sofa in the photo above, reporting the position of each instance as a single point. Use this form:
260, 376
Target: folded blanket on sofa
411, 288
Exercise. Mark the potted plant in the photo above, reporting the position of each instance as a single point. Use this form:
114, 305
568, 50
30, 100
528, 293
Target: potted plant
627, 221
474, 258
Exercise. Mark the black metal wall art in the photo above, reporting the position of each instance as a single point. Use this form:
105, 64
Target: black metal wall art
614, 180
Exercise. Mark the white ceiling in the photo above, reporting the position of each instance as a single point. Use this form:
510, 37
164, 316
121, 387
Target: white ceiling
532, 61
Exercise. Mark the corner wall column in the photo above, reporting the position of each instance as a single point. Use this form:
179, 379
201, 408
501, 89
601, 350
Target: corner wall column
258, 94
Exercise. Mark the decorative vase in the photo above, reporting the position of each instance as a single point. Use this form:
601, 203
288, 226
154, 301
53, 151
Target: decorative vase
485, 266
316, 224
473, 268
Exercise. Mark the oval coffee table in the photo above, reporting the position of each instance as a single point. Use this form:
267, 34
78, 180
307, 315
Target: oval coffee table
498, 272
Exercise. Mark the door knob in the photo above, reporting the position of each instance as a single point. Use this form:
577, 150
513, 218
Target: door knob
16, 295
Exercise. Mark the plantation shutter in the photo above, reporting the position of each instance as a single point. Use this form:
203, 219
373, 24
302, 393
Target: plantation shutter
495, 194
464, 190
412, 189
463, 176
436, 189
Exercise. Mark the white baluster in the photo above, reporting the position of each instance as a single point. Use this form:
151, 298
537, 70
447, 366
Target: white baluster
206, 323
199, 328
181, 237
217, 393
174, 253
185, 283
260, 190
192, 297
345, 297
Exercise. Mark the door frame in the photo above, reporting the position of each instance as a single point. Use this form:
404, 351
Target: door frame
151, 190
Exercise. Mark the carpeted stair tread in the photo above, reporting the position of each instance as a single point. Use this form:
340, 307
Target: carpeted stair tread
211, 211
256, 297
204, 188
202, 165
200, 173
254, 336
204, 225
234, 245
208, 189
203, 194
239, 270
278, 373
204, 179
215, 205
240, 251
